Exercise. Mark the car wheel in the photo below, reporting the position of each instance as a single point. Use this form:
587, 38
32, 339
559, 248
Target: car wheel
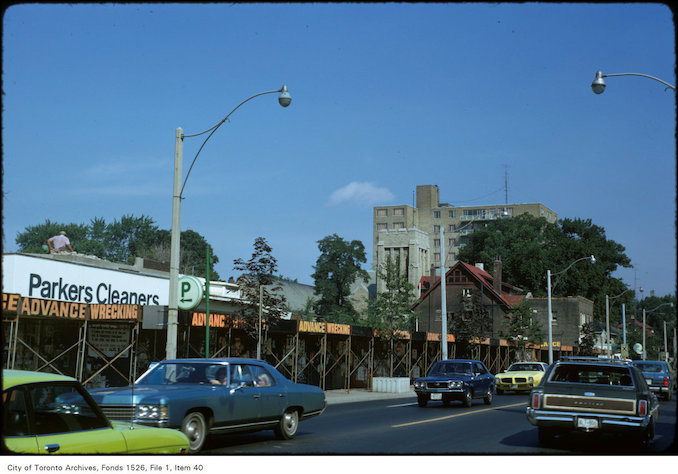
488, 398
288, 424
668, 395
194, 427
500, 391
468, 398
422, 400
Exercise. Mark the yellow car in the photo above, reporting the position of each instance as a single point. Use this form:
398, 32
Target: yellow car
520, 376
45, 413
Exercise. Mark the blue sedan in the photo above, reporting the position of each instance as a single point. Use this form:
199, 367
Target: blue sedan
456, 379
202, 396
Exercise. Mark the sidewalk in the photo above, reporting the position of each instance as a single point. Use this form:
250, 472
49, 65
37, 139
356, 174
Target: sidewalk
363, 395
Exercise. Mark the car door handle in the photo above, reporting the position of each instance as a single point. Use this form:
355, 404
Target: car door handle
52, 448
282, 395
256, 396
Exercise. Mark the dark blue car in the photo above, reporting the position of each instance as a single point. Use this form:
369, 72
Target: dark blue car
203, 396
657, 376
455, 379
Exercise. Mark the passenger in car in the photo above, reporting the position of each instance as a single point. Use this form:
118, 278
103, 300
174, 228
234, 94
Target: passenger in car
220, 377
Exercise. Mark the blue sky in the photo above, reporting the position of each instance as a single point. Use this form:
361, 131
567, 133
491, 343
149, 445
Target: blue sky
385, 97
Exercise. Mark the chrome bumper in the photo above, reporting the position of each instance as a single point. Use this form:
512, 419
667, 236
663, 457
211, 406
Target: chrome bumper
568, 419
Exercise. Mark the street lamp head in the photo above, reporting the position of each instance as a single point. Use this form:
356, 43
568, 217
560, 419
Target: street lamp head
593, 259
285, 98
598, 84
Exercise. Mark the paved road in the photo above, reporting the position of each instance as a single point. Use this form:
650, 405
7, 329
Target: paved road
399, 426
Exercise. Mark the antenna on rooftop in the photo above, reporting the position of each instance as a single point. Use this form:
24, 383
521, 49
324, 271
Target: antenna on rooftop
505, 213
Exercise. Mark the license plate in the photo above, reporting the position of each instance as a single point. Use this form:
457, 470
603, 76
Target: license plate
436, 396
588, 423
514, 386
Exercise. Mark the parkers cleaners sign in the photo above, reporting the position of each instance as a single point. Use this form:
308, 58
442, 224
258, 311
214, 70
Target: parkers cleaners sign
37, 277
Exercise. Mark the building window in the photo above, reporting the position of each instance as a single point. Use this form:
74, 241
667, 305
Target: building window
436, 229
382, 212
452, 256
436, 256
452, 227
398, 225
453, 213
399, 211
381, 226
554, 318
436, 242
452, 242
436, 214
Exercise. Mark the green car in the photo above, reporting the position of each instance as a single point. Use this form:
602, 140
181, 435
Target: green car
45, 413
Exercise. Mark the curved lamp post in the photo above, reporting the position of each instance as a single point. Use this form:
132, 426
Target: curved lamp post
607, 319
173, 311
645, 313
592, 259
598, 84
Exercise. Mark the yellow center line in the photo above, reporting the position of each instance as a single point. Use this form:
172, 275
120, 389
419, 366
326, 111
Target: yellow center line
458, 414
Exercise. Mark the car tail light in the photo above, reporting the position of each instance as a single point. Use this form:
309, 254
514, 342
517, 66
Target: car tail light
536, 400
666, 381
642, 407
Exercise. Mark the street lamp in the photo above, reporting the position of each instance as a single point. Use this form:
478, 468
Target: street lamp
284, 99
645, 313
598, 84
607, 319
592, 259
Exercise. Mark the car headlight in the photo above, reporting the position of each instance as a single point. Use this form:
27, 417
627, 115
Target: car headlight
530, 379
152, 412
418, 384
454, 384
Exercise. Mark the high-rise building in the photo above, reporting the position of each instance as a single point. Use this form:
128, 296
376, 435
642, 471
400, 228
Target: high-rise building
412, 234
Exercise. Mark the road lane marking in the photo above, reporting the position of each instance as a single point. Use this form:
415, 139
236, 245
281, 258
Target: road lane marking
402, 405
456, 415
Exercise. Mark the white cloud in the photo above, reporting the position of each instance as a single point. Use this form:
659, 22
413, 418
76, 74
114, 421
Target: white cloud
366, 194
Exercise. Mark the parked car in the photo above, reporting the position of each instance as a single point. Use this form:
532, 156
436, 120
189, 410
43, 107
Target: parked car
657, 376
45, 413
520, 376
589, 394
203, 396
455, 379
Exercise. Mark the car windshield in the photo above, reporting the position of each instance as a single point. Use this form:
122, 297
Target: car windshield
593, 374
525, 367
180, 373
649, 367
442, 368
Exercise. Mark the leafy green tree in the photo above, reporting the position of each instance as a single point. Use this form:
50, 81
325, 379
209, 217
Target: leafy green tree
520, 328
336, 269
121, 241
588, 340
529, 245
391, 311
258, 283
470, 326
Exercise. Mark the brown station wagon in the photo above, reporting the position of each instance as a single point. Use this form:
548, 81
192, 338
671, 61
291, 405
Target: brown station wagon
590, 394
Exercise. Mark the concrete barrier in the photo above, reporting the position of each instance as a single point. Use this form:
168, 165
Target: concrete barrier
391, 384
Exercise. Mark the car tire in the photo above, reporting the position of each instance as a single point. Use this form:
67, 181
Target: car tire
668, 395
468, 398
488, 398
422, 400
194, 427
288, 425
500, 391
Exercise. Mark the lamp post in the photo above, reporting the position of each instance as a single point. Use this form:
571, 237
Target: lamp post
550, 312
645, 313
598, 85
607, 320
173, 312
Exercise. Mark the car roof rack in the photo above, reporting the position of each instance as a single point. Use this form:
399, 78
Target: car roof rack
607, 360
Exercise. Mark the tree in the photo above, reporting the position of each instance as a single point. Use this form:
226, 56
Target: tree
391, 311
121, 241
257, 283
529, 245
473, 324
588, 340
520, 328
336, 269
